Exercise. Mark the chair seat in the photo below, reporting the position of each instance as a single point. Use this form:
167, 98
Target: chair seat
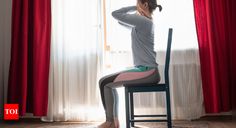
145, 87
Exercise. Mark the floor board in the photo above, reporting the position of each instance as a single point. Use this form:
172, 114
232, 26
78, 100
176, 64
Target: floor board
204, 122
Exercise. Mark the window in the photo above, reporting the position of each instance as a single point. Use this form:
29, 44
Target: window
178, 15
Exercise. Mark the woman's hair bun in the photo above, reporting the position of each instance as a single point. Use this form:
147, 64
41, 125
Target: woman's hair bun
160, 7
152, 5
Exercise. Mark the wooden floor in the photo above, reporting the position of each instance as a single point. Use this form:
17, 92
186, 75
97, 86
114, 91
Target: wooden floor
219, 121
205, 122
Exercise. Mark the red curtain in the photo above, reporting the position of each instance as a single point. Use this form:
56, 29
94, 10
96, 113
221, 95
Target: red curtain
232, 10
216, 41
30, 56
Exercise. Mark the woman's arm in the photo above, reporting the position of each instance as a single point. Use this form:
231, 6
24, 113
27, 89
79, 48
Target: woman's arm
124, 18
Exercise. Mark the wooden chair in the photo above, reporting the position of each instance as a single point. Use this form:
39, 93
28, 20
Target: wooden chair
159, 87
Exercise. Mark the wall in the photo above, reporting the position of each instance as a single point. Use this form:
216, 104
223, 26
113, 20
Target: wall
5, 45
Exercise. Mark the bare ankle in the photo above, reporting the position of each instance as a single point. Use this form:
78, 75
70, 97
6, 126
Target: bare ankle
117, 123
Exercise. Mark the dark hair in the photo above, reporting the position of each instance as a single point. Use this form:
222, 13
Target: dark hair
152, 4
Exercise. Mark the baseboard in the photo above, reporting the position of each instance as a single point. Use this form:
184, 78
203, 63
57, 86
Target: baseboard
220, 114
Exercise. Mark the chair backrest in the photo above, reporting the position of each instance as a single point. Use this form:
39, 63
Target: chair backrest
168, 51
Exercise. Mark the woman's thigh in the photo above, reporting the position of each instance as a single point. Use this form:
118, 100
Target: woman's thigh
150, 76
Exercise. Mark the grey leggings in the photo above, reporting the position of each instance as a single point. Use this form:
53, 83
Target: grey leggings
109, 93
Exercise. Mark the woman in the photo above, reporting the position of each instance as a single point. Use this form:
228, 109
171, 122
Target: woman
145, 67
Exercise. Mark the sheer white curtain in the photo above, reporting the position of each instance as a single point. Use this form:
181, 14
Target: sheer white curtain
185, 77
76, 54
76, 58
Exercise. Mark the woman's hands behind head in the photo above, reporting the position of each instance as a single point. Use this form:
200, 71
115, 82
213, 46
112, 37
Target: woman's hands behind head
140, 10
143, 12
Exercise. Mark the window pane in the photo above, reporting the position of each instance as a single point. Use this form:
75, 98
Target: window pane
177, 14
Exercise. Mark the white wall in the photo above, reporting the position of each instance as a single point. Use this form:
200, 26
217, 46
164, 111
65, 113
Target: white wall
5, 46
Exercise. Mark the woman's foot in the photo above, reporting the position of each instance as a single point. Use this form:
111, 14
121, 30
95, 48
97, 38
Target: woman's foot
106, 124
116, 123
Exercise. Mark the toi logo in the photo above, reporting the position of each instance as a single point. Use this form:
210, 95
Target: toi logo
11, 112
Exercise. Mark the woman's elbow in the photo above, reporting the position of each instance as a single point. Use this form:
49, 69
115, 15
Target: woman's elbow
114, 14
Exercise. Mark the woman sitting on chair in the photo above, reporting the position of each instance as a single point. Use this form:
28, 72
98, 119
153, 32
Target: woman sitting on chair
145, 68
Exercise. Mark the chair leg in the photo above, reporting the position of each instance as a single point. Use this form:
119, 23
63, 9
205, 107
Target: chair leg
169, 123
127, 107
132, 107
